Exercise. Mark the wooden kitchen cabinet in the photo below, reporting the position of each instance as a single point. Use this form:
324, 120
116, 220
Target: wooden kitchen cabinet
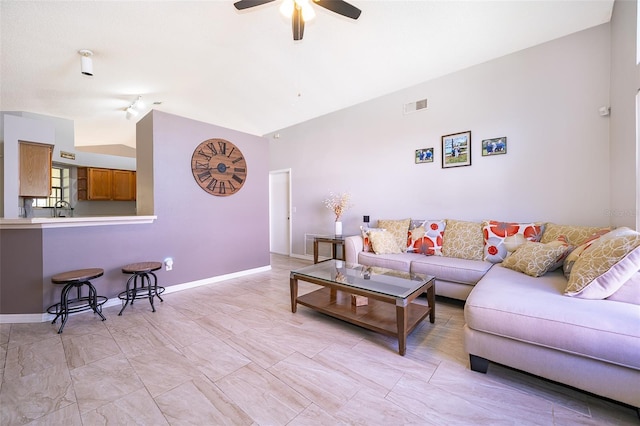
124, 185
35, 169
106, 184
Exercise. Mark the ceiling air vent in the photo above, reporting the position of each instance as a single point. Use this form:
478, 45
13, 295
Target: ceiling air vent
415, 106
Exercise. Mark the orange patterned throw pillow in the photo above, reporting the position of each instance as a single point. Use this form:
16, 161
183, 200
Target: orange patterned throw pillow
503, 238
426, 237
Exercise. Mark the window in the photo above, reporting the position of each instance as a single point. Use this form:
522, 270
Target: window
60, 187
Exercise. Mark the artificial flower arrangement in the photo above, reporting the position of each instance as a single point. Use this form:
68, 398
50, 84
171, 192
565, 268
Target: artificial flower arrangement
338, 203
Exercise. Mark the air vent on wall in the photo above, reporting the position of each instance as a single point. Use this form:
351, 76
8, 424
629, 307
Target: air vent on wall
415, 106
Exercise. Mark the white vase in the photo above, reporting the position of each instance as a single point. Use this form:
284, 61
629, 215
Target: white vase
338, 228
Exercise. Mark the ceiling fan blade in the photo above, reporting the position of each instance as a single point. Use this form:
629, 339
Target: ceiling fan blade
246, 4
340, 7
297, 23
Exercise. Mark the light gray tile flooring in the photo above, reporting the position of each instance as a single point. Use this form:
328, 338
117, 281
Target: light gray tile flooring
233, 353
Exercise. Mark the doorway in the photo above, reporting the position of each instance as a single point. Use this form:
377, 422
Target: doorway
280, 212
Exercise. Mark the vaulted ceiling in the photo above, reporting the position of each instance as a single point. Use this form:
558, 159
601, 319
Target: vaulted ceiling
241, 69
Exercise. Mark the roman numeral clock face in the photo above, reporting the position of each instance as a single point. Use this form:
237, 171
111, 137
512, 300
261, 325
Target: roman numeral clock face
219, 167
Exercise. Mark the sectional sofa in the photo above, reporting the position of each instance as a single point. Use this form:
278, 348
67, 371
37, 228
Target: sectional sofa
560, 302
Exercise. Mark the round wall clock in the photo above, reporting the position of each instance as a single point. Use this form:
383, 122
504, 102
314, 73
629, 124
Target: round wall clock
219, 167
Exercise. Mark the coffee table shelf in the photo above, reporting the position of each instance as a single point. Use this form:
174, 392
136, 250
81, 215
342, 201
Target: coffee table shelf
376, 316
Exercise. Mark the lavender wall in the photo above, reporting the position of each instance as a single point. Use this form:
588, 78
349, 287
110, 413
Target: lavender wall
206, 236
20, 271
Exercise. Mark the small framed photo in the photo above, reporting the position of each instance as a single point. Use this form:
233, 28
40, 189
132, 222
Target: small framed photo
494, 146
424, 155
456, 150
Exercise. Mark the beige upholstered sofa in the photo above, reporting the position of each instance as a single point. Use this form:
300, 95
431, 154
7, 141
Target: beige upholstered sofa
582, 330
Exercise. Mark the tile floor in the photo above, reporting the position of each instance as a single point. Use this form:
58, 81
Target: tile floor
209, 358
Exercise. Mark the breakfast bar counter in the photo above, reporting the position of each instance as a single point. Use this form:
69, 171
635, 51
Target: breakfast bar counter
72, 222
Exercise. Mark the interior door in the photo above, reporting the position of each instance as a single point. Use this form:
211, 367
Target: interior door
279, 212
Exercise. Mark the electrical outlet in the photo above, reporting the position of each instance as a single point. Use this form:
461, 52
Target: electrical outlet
168, 264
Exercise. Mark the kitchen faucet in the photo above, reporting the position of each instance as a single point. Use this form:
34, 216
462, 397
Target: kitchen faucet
64, 205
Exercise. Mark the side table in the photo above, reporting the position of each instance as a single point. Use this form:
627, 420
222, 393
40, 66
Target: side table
335, 241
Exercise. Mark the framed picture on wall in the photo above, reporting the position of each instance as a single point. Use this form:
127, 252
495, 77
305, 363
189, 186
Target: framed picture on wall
424, 155
494, 146
456, 150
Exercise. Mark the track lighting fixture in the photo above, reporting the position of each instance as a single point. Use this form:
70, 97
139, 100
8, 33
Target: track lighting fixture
86, 63
134, 109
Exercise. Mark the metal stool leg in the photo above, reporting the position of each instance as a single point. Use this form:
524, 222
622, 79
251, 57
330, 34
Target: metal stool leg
155, 286
64, 305
93, 300
127, 295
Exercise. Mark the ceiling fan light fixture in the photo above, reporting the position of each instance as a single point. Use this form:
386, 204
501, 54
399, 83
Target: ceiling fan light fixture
286, 8
307, 11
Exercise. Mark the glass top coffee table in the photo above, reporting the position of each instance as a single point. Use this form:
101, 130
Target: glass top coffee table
390, 308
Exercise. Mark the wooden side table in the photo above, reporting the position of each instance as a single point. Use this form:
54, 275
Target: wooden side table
335, 241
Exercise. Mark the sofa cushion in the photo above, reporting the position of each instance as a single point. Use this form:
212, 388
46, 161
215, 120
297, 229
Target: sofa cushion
532, 310
398, 228
629, 292
384, 243
537, 259
452, 269
463, 240
605, 266
425, 237
399, 262
503, 238
576, 235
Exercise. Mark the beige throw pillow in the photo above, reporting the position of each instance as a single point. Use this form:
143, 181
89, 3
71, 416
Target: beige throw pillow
605, 266
576, 235
398, 228
536, 259
463, 240
384, 243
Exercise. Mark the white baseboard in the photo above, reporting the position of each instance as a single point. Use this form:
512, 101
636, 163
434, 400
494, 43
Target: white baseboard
303, 256
44, 317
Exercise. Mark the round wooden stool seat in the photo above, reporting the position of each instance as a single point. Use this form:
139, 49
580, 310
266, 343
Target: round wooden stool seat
136, 268
77, 275
77, 279
147, 289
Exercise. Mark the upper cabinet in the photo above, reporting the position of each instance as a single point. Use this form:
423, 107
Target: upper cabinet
106, 184
124, 185
35, 169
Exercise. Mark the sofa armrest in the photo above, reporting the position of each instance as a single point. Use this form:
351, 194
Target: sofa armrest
353, 245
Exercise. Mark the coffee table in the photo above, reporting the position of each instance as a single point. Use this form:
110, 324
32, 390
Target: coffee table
391, 308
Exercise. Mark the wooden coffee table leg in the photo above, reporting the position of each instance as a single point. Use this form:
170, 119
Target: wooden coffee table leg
293, 284
402, 319
431, 299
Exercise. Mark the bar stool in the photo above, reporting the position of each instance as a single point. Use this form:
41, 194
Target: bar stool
77, 279
142, 270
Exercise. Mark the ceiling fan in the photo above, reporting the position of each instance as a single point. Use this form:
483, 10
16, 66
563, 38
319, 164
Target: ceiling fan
301, 11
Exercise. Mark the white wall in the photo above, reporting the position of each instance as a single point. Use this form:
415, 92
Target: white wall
544, 99
17, 129
624, 86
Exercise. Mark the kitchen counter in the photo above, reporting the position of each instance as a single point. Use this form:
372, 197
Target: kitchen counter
72, 222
